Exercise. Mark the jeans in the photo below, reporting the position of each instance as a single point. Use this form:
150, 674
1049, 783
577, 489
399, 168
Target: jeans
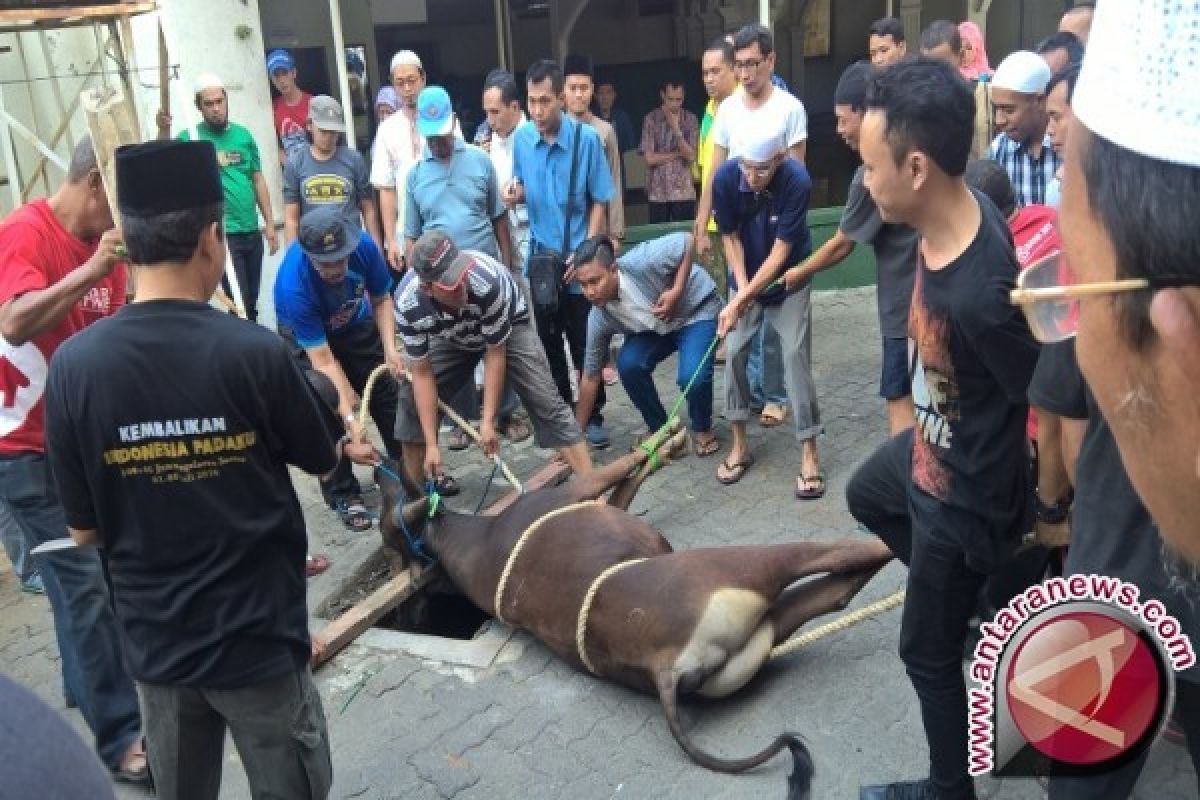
14, 546
941, 596
246, 252
93, 668
278, 727
643, 352
765, 370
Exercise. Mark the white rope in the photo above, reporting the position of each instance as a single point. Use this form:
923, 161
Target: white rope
586, 609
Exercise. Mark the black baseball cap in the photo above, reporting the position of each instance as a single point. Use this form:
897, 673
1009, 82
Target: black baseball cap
326, 234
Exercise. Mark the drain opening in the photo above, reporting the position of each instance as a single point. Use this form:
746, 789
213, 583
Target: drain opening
450, 616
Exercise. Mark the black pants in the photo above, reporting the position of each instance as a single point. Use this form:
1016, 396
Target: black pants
246, 250
570, 319
941, 597
358, 351
677, 211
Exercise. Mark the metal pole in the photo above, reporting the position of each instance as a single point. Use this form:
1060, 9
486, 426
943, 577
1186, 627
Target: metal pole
10, 161
501, 55
339, 52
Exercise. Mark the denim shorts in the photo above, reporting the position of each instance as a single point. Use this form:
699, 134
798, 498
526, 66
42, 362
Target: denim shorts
894, 381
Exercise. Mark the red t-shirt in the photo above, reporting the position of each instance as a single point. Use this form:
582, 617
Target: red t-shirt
1035, 234
290, 122
36, 252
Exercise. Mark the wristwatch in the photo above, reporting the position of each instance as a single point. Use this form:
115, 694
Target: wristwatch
1056, 512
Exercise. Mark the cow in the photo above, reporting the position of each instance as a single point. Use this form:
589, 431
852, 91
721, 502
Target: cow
607, 593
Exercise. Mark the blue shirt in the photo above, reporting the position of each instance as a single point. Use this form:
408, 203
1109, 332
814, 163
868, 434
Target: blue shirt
461, 198
544, 169
779, 212
314, 309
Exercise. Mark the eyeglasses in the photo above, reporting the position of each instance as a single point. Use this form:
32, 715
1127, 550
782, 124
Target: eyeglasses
749, 65
1049, 298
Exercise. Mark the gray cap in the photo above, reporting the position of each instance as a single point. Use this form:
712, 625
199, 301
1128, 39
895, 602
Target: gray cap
436, 259
325, 113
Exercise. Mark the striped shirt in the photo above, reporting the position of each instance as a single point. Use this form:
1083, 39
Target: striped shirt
1029, 176
494, 304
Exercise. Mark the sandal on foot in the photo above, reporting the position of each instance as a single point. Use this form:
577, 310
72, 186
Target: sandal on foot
315, 565
446, 486
706, 447
353, 514
734, 472
517, 430
805, 488
457, 440
773, 415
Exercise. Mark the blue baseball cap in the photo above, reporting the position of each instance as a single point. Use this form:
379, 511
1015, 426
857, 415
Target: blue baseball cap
435, 115
280, 60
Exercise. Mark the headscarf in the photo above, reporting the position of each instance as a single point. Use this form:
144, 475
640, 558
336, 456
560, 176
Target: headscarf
387, 97
979, 65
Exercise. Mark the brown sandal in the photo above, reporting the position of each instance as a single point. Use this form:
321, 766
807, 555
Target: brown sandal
734, 472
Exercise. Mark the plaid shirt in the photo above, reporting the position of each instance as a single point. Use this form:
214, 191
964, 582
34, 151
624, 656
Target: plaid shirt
1030, 177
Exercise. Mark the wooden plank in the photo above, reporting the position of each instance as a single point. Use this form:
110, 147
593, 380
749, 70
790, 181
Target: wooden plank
346, 628
112, 123
62, 13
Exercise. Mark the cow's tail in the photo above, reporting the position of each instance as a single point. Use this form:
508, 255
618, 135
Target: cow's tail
799, 782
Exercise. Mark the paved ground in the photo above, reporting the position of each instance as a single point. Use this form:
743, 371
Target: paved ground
528, 726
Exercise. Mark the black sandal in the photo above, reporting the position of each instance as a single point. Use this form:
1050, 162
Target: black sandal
354, 515
446, 486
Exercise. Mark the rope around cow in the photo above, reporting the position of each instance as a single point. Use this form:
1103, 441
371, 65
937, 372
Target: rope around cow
650, 446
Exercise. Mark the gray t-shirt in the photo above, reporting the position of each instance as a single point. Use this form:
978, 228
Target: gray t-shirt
342, 181
645, 272
895, 256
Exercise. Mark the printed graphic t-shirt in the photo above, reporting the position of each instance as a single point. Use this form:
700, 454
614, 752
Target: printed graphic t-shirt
239, 160
340, 181
170, 430
290, 122
36, 252
974, 357
311, 310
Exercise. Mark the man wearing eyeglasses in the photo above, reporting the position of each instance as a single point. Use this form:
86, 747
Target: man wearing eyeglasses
459, 307
761, 207
951, 497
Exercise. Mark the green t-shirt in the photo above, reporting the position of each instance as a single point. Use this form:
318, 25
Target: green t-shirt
237, 156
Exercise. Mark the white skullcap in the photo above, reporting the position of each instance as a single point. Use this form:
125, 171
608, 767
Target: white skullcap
1022, 71
762, 145
208, 80
406, 58
1140, 85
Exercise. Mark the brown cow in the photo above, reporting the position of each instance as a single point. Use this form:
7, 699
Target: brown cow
701, 620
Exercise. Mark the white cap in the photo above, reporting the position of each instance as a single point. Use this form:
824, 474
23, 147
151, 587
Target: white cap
406, 58
207, 80
763, 145
1022, 71
1140, 84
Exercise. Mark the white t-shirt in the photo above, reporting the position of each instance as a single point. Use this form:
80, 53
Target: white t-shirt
782, 112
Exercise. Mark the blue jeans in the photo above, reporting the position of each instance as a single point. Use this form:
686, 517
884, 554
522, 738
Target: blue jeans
642, 352
14, 546
765, 370
93, 668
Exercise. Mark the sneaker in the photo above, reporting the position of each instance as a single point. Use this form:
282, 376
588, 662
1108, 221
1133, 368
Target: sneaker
33, 584
902, 790
596, 435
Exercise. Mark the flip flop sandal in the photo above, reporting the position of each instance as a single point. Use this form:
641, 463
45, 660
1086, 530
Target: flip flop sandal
517, 430
457, 440
772, 415
447, 486
354, 515
315, 565
805, 492
706, 448
734, 472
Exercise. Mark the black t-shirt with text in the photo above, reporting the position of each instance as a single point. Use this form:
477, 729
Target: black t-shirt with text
170, 427
973, 359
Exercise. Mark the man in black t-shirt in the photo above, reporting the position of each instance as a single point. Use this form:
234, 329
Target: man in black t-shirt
171, 428
952, 496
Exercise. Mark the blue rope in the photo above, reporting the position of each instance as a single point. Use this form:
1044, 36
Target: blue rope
415, 543
488, 486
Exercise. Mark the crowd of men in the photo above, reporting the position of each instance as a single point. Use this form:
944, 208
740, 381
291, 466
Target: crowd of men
492, 276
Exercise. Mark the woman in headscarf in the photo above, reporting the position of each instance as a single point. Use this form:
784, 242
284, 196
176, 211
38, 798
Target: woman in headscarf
386, 103
974, 56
